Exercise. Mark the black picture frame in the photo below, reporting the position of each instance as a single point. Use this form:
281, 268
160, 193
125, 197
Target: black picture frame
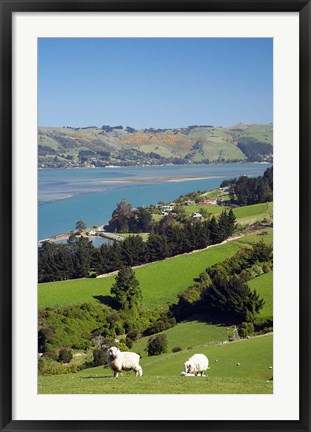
7, 9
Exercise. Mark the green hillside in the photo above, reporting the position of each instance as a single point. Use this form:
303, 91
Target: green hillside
197, 332
160, 281
101, 146
240, 367
246, 215
187, 334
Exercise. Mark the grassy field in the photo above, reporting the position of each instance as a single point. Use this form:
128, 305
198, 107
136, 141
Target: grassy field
162, 373
253, 213
196, 332
187, 334
212, 209
160, 282
245, 215
264, 287
257, 236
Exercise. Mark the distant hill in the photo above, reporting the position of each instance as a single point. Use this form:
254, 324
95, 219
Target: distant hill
68, 147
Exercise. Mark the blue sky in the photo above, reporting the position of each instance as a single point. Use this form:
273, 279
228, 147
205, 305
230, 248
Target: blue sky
154, 82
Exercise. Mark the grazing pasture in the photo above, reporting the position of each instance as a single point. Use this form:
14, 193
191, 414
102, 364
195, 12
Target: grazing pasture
160, 281
265, 234
194, 332
162, 373
212, 209
245, 215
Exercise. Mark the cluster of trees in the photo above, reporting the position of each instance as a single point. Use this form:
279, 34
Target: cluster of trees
200, 126
222, 290
57, 262
125, 219
79, 258
168, 239
108, 128
247, 190
254, 150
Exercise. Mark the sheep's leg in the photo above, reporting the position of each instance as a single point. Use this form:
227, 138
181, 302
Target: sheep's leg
138, 372
116, 374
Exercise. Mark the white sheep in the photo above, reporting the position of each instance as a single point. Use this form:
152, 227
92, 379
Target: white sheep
197, 364
118, 361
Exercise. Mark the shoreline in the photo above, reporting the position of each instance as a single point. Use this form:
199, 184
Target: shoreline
65, 236
161, 165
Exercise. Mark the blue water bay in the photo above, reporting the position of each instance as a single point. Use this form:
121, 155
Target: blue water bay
65, 196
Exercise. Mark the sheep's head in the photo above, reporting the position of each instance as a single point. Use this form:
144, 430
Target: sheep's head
113, 352
189, 367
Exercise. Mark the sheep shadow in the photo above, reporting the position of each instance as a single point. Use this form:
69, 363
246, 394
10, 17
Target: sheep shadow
97, 377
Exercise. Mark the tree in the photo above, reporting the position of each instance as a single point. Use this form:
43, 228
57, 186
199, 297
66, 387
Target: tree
157, 344
261, 252
99, 356
213, 228
143, 220
81, 253
120, 217
133, 251
231, 222
268, 175
80, 226
127, 291
157, 247
54, 262
232, 299
109, 258
223, 226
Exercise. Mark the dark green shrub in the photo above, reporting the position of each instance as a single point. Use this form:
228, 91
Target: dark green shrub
50, 367
129, 342
52, 355
177, 349
263, 325
160, 325
133, 334
157, 345
64, 355
246, 329
99, 357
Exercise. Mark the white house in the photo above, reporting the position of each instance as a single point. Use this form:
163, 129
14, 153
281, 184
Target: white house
196, 215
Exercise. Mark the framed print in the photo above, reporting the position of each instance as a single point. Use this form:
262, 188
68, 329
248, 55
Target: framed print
155, 215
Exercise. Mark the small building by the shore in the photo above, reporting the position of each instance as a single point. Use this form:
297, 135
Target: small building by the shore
196, 215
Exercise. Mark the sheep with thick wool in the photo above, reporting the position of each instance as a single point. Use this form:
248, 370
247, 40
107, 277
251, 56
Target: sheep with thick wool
197, 364
118, 360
